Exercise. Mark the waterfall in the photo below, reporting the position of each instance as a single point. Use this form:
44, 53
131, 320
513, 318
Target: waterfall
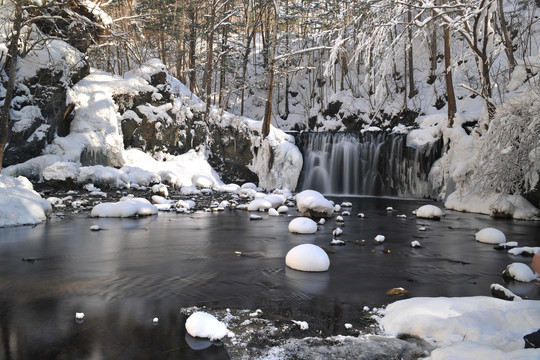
373, 163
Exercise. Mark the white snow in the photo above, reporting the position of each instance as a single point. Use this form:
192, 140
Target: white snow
429, 212
273, 212
79, 315
467, 327
313, 200
126, 207
20, 204
520, 272
204, 325
307, 257
259, 205
302, 225
379, 239
302, 324
490, 236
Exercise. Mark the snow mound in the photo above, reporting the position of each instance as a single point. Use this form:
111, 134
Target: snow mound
204, 325
259, 205
464, 328
429, 212
20, 204
303, 225
126, 207
314, 203
490, 236
307, 257
520, 272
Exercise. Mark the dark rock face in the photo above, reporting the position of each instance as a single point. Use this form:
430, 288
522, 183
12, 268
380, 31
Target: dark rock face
47, 92
178, 131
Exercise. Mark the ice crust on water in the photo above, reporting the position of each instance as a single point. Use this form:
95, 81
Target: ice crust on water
307, 257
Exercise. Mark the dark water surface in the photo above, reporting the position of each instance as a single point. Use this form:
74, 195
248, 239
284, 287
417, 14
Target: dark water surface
137, 269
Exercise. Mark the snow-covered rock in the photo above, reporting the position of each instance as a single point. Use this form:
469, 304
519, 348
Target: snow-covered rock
303, 225
307, 257
273, 212
520, 272
126, 207
259, 205
204, 325
490, 236
282, 209
314, 204
20, 204
379, 239
429, 212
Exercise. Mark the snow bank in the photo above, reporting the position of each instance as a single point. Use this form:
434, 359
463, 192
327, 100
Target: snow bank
126, 207
429, 212
480, 203
490, 236
313, 202
19, 203
468, 327
303, 225
204, 325
307, 257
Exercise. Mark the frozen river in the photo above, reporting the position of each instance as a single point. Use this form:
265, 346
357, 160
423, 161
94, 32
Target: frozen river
137, 269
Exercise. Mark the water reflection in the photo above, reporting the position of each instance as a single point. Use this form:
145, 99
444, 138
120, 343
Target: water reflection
137, 269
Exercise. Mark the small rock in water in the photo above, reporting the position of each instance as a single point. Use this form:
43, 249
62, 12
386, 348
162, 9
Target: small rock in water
401, 216
397, 291
415, 244
95, 228
337, 242
340, 219
337, 232
337, 208
379, 239
322, 221
389, 208
422, 228
346, 204
79, 317
345, 213
360, 215
255, 217
348, 326
155, 321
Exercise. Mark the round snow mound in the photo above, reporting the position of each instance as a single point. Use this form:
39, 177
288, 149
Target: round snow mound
520, 272
490, 236
204, 325
303, 225
429, 212
307, 257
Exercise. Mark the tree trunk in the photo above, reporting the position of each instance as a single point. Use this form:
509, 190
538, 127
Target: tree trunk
451, 97
508, 47
412, 90
433, 50
11, 61
192, 48
271, 69
209, 60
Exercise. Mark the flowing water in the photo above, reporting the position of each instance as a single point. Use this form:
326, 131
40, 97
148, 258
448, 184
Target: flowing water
373, 163
137, 269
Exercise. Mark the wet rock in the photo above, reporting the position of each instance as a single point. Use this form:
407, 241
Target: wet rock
397, 291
